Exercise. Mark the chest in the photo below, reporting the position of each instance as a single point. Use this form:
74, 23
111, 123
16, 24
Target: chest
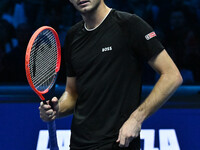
100, 48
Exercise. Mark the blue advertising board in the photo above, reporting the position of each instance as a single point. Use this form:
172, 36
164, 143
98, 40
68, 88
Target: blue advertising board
176, 126
168, 129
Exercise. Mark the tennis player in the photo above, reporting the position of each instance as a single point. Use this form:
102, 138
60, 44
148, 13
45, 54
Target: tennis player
104, 57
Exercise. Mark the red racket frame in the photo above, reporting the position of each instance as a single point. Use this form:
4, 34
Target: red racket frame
27, 59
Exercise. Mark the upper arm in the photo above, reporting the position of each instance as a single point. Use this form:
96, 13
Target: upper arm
71, 86
163, 64
68, 99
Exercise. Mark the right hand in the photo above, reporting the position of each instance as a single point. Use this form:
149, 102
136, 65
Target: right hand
48, 112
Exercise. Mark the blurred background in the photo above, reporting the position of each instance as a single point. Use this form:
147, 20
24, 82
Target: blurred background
177, 25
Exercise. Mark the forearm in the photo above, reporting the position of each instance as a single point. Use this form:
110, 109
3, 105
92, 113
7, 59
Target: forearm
66, 104
164, 88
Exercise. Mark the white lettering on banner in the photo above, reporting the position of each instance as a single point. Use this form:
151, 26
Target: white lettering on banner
149, 139
167, 138
43, 140
63, 137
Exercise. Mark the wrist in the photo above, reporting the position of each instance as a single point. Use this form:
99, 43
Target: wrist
137, 116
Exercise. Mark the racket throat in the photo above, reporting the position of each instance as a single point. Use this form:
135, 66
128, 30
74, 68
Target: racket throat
41, 96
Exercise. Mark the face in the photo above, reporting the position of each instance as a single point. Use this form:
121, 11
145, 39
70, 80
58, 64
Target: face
86, 6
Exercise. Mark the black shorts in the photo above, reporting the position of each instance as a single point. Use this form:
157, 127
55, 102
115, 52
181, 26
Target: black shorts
134, 145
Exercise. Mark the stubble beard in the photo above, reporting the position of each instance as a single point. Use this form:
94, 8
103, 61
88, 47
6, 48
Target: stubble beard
92, 9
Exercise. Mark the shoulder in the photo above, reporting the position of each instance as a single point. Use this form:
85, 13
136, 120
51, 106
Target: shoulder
75, 28
126, 17
131, 24
71, 34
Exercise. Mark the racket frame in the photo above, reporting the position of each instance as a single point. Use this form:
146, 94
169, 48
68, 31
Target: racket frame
27, 60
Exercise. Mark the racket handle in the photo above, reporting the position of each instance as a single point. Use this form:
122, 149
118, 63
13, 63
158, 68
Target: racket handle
52, 135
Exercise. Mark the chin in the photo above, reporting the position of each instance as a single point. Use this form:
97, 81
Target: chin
84, 10
87, 10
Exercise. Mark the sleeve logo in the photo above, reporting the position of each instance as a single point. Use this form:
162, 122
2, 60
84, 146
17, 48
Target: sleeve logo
150, 35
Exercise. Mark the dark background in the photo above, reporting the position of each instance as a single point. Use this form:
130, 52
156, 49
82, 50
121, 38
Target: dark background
176, 23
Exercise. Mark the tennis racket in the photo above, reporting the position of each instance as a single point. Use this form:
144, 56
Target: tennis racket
42, 63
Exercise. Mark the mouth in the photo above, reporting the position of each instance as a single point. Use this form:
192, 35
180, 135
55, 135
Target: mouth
82, 2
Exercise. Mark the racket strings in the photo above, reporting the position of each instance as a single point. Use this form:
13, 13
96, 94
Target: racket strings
43, 60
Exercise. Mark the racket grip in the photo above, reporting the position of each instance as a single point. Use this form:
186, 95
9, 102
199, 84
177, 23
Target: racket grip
52, 135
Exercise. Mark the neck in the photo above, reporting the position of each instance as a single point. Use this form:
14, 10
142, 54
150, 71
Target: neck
94, 18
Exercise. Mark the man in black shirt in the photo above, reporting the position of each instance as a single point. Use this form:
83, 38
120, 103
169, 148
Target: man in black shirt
104, 56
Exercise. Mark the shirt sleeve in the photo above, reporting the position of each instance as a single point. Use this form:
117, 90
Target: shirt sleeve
144, 41
69, 67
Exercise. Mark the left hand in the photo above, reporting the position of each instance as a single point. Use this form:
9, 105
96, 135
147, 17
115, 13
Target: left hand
130, 130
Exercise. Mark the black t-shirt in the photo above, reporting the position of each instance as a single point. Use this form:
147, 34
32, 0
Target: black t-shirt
107, 64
